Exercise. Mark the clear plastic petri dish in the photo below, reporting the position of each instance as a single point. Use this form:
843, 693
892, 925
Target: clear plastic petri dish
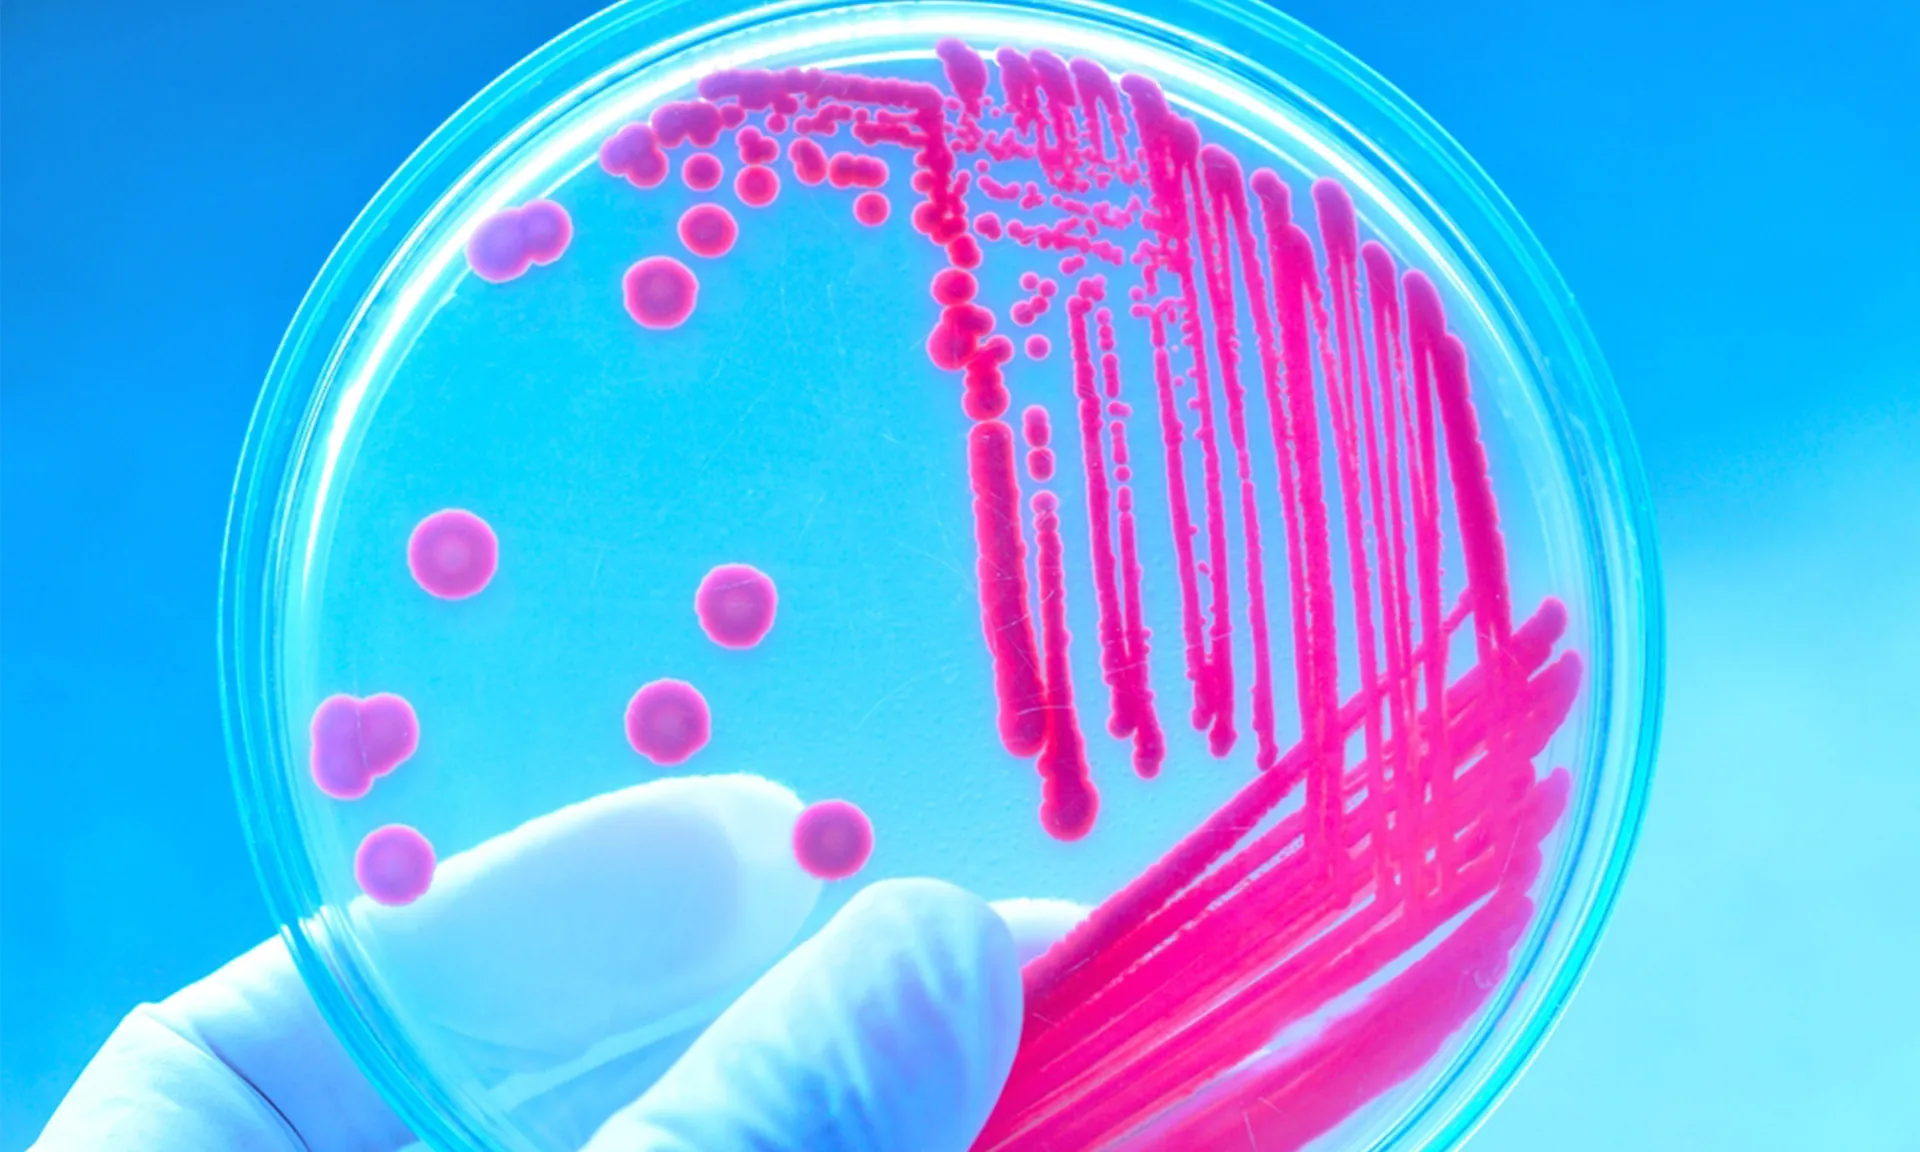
1134, 470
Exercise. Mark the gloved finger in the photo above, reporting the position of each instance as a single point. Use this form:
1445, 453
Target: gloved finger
567, 1114
892, 1029
262, 986
160, 1081
597, 920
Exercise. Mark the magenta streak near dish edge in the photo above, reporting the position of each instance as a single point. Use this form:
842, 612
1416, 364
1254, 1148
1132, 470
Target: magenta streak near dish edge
1155, 1019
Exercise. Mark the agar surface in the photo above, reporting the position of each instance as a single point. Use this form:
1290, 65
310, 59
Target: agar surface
1384, 850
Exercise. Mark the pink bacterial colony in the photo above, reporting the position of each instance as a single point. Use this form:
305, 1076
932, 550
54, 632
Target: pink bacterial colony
871, 208
1382, 855
667, 722
453, 554
708, 230
507, 243
735, 604
660, 292
832, 839
756, 185
394, 865
354, 742
1037, 428
702, 171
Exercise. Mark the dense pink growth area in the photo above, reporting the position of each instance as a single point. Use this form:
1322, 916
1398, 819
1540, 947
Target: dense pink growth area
809, 161
736, 605
849, 170
1068, 800
394, 865
702, 171
966, 73
660, 292
964, 252
356, 741
1003, 586
1310, 419
708, 230
634, 152
687, 121
756, 147
757, 186
453, 554
832, 839
509, 242
667, 722
959, 335
871, 208
1038, 430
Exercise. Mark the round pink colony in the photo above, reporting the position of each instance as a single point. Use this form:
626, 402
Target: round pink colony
355, 741
1038, 346
736, 604
667, 721
394, 865
832, 839
660, 292
954, 286
871, 208
494, 251
708, 230
756, 185
453, 554
702, 171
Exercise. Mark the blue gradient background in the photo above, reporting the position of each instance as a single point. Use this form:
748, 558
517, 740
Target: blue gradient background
1729, 188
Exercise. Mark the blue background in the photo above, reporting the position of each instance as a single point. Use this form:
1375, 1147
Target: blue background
1729, 188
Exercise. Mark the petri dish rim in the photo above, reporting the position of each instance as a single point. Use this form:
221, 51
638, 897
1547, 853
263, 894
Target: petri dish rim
1361, 111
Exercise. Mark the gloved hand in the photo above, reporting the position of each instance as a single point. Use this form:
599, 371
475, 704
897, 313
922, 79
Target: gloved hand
891, 1029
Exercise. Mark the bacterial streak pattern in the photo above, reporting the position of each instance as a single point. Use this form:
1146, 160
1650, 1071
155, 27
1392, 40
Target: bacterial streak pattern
1289, 363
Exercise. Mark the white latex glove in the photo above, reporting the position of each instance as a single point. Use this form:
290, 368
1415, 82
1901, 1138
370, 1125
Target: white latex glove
891, 1029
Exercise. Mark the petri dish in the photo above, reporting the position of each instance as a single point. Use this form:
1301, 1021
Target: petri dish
1132, 463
